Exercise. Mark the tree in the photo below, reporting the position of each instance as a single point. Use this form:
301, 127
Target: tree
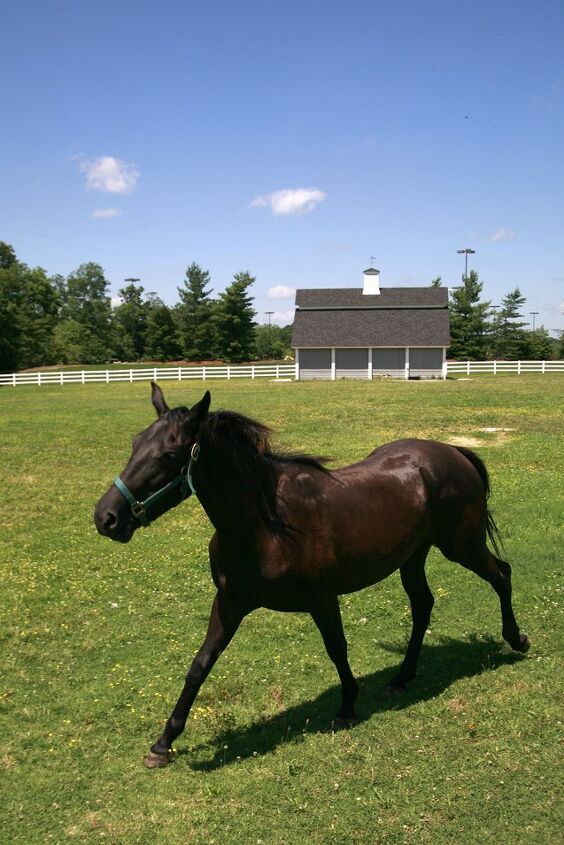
129, 324
161, 342
539, 346
510, 330
468, 320
194, 315
272, 341
29, 307
86, 301
437, 283
233, 320
7, 255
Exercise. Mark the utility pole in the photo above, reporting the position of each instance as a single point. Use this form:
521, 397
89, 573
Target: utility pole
269, 315
466, 252
132, 280
534, 314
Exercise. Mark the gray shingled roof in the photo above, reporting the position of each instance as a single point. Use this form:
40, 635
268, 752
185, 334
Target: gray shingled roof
377, 327
387, 298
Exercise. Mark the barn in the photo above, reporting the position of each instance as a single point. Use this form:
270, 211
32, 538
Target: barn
371, 332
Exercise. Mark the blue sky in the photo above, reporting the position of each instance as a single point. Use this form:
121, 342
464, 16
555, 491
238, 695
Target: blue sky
294, 140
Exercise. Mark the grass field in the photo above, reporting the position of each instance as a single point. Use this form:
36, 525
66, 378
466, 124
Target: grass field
96, 638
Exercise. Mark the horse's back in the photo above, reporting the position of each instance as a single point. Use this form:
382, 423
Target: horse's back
361, 522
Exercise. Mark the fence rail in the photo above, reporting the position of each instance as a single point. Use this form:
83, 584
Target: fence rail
475, 367
252, 371
274, 371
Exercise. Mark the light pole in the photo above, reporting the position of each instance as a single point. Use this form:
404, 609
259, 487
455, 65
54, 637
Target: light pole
466, 252
534, 314
132, 280
269, 315
495, 328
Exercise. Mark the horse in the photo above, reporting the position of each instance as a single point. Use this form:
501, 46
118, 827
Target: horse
292, 535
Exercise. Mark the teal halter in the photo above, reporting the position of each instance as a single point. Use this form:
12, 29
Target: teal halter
183, 481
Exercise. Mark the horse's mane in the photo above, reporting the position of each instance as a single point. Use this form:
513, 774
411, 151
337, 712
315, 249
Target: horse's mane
245, 444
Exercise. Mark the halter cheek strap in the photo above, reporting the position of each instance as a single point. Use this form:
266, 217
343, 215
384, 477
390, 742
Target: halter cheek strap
183, 481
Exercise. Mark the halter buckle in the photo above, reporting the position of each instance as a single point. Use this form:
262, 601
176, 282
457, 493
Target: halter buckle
139, 511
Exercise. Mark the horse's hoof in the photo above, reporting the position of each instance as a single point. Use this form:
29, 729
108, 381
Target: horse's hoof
524, 643
154, 760
342, 723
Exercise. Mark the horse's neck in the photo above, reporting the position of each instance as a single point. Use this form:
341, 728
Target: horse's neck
225, 500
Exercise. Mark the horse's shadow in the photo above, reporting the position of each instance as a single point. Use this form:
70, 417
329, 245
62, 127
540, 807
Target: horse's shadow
441, 664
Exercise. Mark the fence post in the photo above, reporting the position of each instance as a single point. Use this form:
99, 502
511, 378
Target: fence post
495, 367
131, 375
518, 367
204, 373
107, 376
228, 372
14, 382
39, 378
179, 374
154, 374
543, 368
252, 370
82, 379
277, 370
61, 377
467, 368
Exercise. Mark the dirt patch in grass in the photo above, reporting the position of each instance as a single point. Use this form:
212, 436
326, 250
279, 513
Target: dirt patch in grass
477, 440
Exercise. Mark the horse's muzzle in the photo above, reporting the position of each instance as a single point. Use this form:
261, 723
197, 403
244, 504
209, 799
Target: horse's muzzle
113, 522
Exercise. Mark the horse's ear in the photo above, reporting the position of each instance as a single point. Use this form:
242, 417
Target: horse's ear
158, 400
200, 409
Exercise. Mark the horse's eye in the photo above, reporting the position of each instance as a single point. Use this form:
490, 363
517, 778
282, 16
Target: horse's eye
172, 438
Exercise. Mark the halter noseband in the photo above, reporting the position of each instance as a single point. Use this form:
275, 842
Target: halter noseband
183, 481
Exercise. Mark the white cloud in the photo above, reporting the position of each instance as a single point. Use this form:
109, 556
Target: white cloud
503, 235
281, 292
109, 174
282, 318
107, 212
290, 200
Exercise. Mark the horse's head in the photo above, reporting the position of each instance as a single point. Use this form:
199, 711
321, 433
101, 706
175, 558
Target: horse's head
157, 475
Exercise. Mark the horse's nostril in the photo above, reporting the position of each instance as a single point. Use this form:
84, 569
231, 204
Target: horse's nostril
106, 520
110, 521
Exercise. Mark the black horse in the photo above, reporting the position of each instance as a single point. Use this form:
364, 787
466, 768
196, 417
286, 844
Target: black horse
292, 536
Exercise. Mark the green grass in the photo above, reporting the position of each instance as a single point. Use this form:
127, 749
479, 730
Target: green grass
96, 638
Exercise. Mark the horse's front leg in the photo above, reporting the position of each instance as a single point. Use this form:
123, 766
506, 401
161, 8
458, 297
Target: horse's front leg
225, 618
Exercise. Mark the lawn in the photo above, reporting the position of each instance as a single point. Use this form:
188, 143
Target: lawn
96, 639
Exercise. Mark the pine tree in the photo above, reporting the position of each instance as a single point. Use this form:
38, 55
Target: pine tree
194, 315
234, 321
512, 341
129, 324
161, 340
468, 321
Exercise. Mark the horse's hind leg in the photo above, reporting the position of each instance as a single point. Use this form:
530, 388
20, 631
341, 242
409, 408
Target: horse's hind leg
498, 573
421, 598
327, 616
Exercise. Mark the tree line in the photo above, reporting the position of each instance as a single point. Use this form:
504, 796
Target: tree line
55, 320
482, 331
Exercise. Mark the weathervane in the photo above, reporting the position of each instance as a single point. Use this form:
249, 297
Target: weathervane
372, 260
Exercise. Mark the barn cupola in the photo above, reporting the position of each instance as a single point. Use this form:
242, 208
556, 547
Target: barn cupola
371, 285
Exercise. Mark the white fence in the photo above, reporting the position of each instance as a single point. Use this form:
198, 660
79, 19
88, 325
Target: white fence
252, 371
474, 367
273, 371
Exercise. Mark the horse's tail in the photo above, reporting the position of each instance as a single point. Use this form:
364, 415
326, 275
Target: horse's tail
480, 467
